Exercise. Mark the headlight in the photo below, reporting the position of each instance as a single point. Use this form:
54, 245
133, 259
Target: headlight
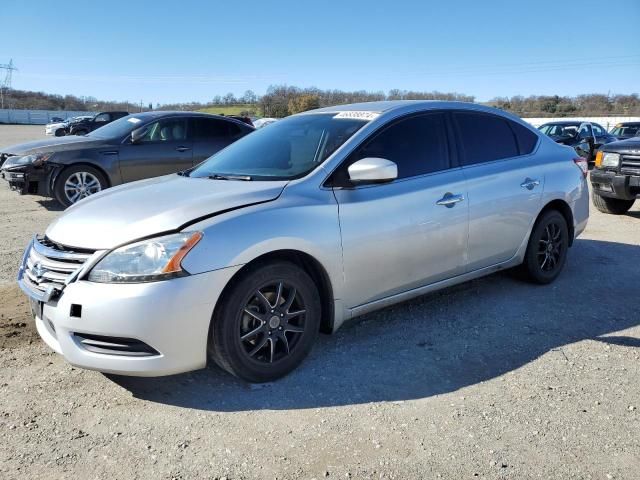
610, 159
36, 159
147, 261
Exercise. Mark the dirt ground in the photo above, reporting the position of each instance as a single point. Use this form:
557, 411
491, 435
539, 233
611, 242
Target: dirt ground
495, 379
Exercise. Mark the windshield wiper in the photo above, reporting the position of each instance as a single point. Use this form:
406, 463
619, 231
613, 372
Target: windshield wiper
245, 178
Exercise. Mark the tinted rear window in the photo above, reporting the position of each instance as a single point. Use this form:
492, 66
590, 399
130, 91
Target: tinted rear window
485, 137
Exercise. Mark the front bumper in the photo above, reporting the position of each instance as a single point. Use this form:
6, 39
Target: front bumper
172, 317
614, 185
29, 179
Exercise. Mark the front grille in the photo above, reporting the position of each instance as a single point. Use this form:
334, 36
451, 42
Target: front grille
49, 264
630, 164
114, 345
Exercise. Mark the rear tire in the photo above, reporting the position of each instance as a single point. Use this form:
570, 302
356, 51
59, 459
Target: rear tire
258, 334
547, 249
613, 206
93, 180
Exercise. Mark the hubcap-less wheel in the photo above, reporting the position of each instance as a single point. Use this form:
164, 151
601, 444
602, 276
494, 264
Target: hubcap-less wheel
550, 247
547, 250
80, 185
266, 321
272, 322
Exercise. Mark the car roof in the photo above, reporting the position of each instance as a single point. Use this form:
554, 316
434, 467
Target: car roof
567, 122
627, 124
179, 113
391, 108
385, 106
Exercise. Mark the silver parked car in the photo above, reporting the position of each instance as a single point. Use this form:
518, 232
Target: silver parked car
296, 228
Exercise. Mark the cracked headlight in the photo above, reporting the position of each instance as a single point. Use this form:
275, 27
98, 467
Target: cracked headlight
35, 159
146, 261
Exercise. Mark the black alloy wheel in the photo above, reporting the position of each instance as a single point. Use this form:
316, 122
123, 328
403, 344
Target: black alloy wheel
547, 249
266, 323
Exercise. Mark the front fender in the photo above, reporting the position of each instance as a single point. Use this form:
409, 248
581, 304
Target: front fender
308, 224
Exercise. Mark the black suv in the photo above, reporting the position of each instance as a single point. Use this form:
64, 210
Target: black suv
584, 137
86, 125
132, 148
616, 176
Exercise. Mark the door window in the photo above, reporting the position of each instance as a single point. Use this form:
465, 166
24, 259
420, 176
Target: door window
585, 131
169, 130
526, 139
417, 145
103, 117
485, 137
598, 130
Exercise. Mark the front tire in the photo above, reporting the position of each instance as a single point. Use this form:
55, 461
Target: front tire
613, 206
75, 183
547, 249
266, 323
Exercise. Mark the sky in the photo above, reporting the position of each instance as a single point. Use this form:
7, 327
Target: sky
165, 52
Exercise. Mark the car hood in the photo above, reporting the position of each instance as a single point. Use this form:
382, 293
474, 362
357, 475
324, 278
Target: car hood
54, 144
631, 145
140, 209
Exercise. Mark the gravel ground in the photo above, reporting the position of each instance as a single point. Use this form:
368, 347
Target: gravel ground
491, 379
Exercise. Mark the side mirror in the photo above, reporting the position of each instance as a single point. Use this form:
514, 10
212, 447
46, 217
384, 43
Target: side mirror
373, 170
138, 134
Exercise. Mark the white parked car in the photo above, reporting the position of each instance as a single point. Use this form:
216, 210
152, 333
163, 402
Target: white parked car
58, 128
263, 122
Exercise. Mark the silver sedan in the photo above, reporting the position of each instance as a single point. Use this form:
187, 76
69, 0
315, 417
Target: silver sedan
295, 229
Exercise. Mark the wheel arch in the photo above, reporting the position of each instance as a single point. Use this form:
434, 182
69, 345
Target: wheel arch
563, 207
306, 262
78, 164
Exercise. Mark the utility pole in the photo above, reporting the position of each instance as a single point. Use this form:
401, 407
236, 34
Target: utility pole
5, 85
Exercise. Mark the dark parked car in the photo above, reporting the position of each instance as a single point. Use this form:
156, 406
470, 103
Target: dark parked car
132, 148
86, 125
584, 137
625, 130
616, 176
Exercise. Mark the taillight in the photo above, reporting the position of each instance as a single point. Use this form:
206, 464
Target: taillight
582, 164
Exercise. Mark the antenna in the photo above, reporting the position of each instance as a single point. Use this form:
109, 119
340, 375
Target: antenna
5, 85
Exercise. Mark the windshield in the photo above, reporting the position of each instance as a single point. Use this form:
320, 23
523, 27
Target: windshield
118, 128
288, 149
626, 131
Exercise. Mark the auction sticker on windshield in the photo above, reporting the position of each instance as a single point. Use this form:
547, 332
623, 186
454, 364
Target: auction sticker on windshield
358, 115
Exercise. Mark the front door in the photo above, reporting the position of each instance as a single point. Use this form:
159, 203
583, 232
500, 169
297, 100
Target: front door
165, 148
407, 233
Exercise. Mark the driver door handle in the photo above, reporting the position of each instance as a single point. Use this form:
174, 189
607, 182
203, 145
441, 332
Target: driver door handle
529, 183
182, 149
449, 200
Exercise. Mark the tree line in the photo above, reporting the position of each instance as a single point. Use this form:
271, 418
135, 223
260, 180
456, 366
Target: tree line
283, 100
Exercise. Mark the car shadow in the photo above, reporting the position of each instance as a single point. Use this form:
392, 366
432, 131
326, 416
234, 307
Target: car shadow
51, 204
634, 214
438, 343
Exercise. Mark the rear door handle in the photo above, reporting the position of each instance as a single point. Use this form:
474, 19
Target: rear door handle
449, 200
182, 149
529, 183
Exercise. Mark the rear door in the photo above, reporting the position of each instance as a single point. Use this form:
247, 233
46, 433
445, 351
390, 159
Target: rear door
165, 148
504, 185
211, 135
401, 235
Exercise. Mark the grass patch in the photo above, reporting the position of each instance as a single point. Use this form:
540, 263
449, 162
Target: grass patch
230, 109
